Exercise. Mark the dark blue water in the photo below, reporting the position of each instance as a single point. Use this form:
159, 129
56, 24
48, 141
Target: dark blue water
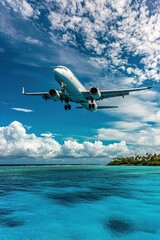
79, 203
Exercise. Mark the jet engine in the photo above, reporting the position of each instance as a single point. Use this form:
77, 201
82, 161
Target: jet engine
54, 94
95, 93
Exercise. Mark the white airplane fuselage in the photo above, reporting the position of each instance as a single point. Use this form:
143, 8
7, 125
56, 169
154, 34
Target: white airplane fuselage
72, 87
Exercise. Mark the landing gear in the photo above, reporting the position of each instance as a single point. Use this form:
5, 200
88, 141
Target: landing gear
67, 107
92, 106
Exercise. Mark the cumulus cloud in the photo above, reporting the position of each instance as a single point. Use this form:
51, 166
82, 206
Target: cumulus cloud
133, 28
15, 142
22, 110
20, 6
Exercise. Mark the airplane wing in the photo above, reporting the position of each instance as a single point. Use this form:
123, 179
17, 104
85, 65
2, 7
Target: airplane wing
44, 95
34, 93
56, 95
114, 93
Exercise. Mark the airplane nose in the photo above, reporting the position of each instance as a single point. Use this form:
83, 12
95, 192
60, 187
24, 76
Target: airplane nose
56, 70
57, 74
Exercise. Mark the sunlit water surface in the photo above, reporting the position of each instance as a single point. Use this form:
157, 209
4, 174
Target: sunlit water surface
79, 203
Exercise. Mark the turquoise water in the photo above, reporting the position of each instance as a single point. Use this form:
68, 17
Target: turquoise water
79, 203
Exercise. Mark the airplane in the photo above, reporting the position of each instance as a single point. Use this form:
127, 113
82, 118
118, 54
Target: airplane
73, 91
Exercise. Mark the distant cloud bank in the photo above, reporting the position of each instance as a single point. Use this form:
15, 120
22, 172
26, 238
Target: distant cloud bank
17, 143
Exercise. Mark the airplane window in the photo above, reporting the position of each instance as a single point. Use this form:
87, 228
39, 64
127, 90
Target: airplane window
63, 68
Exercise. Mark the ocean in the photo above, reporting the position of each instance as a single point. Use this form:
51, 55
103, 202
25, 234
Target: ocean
79, 203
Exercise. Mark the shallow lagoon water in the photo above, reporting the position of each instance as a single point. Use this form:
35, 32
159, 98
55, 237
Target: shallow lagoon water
79, 203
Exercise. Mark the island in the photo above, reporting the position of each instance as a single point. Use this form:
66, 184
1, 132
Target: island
147, 160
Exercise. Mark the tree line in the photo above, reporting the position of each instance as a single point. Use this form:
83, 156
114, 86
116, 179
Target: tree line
136, 160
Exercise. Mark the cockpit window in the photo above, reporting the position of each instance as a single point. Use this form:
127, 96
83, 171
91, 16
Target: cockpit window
62, 68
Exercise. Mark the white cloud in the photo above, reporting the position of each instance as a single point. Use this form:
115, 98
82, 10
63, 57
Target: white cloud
143, 138
150, 95
134, 27
139, 126
128, 81
154, 117
22, 110
6, 26
110, 134
135, 107
115, 35
149, 137
15, 142
120, 5
33, 41
129, 126
47, 135
20, 6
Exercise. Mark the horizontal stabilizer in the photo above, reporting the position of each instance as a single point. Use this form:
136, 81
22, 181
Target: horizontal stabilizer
102, 107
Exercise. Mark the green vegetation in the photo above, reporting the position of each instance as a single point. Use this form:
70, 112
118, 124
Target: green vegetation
147, 160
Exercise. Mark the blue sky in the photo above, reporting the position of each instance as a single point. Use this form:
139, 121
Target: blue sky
111, 44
